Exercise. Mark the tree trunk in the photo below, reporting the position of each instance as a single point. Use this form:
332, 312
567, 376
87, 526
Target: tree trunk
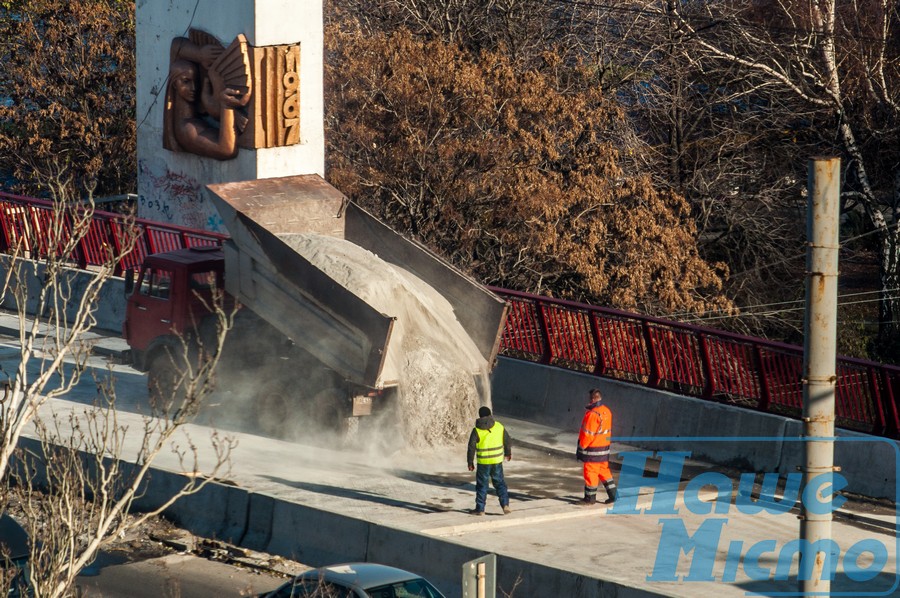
888, 342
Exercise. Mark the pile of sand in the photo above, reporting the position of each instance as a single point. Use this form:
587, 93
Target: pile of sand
442, 376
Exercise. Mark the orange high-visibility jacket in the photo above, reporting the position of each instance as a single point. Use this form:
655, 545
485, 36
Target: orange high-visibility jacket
595, 435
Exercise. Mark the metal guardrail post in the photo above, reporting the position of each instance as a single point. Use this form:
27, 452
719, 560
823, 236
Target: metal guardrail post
880, 412
652, 360
709, 382
81, 251
893, 417
600, 364
112, 233
547, 353
5, 240
765, 393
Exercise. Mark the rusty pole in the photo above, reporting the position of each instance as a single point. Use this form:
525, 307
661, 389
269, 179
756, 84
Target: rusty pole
482, 590
819, 357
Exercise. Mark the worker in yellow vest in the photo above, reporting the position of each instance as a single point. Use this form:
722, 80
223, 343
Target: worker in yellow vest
488, 445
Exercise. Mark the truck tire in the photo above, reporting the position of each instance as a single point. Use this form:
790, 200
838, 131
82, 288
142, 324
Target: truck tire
273, 414
288, 415
329, 408
162, 376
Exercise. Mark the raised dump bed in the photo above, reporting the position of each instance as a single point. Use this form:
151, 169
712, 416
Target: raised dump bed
344, 332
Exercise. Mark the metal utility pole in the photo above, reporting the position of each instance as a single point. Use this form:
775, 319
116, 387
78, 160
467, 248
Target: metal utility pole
819, 358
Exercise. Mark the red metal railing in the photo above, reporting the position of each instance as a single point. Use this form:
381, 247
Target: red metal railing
32, 225
691, 360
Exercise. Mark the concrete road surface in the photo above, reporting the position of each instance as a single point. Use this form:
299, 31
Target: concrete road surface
680, 540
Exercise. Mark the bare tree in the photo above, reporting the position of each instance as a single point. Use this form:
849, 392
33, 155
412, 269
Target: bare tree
732, 98
728, 150
523, 28
77, 491
840, 64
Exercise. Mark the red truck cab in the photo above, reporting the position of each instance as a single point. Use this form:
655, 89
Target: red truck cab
168, 303
171, 297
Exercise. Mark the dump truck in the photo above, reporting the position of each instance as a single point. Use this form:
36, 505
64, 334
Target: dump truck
302, 342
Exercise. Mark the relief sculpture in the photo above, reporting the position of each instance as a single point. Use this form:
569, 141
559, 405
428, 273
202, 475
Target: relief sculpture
208, 88
219, 99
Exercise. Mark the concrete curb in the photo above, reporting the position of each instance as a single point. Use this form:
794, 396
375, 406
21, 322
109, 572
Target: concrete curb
555, 398
103, 343
316, 537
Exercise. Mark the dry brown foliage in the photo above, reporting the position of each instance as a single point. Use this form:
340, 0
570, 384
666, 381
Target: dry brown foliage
67, 72
512, 172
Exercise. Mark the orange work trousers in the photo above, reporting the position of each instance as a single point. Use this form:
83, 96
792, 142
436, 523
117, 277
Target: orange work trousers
594, 473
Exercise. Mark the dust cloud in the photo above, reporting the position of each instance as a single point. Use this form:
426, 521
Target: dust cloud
441, 375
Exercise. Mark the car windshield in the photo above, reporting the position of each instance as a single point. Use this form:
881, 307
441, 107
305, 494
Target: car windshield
405, 589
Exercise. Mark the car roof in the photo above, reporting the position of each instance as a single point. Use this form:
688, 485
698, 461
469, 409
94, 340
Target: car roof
13, 537
360, 575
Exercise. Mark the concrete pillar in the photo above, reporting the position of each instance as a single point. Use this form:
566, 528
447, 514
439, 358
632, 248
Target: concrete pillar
170, 183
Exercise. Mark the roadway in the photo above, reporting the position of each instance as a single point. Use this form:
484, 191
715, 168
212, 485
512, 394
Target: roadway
177, 574
428, 492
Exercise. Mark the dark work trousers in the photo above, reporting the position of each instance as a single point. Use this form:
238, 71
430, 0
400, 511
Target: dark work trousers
494, 473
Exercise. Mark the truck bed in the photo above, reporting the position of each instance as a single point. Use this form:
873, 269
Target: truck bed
317, 312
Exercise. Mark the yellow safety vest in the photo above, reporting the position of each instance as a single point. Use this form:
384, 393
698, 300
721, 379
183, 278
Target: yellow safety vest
489, 449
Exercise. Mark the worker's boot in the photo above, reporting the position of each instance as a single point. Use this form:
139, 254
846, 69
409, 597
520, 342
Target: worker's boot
589, 499
611, 491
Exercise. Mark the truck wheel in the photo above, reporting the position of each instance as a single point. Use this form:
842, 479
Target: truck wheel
327, 409
161, 379
273, 415
292, 416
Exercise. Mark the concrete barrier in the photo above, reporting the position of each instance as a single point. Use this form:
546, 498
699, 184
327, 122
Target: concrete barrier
438, 560
314, 536
441, 562
260, 522
869, 463
110, 307
677, 417
218, 511
521, 578
642, 416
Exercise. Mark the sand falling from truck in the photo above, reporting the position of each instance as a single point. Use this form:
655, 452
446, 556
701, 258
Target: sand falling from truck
442, 376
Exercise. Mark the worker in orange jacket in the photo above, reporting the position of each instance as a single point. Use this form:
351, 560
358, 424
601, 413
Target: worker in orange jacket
593, 450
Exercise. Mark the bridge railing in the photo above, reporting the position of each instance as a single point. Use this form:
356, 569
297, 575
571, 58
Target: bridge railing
34, 226
692, 360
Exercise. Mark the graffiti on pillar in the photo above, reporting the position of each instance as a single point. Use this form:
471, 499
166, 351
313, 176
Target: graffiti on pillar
219, 99
176, 198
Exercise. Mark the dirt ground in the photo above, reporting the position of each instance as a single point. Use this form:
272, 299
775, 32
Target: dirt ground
158, 537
